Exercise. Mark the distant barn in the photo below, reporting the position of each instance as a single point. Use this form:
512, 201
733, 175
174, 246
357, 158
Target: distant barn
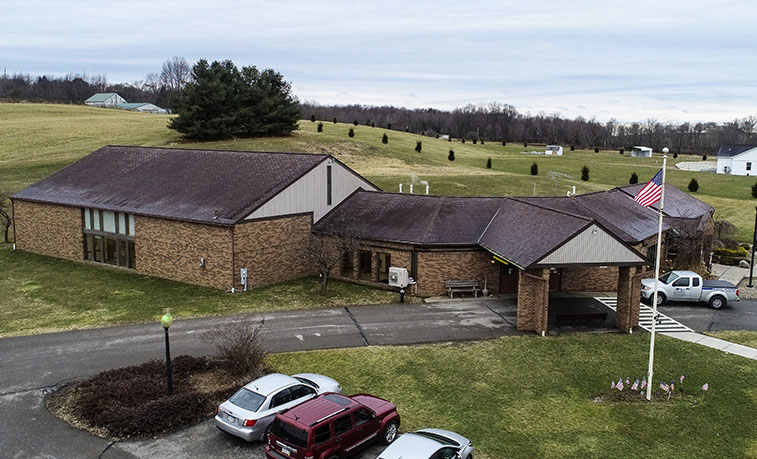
105, 99
143, 107
641, 152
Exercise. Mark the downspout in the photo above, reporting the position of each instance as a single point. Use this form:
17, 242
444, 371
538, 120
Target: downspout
13, 210
233, 258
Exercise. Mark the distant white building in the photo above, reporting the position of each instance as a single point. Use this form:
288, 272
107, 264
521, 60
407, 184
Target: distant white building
143, 107
737, 159
641, 152
105, 99
553, 150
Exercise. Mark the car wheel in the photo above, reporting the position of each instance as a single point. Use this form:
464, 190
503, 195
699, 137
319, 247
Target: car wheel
661, 299
717, 302
390, 433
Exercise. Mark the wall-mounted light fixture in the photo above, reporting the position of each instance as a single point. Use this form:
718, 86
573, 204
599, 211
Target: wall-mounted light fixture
202, 262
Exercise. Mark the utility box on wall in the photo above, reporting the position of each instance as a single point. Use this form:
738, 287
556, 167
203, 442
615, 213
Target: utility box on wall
398, 277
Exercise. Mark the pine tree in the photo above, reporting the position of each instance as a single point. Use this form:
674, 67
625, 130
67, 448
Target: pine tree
320, 127
351, 133
418, 146
474, 141
621, 151
373, 124
693, 185
634, 178
675, 155
389, 126
525, 144
754, 190
385, 139
504, 144
451, 155
572, 148
534, 169
482, 141
312, 118
462, 140
489, 163
596, 150
335, 120
585, 173
354, 122
704, 157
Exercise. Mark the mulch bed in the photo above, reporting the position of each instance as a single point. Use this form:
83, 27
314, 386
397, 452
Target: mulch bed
131, 402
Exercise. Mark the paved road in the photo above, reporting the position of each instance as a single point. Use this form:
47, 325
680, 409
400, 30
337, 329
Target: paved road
740, 315
31, 366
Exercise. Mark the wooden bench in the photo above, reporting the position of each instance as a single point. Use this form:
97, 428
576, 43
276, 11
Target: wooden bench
461, 286
585, 317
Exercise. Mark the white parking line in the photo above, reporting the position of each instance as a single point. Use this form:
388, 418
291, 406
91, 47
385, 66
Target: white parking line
664, 323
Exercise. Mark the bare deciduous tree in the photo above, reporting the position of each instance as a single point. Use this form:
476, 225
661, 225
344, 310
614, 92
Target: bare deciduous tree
175, 73
326, 252
6, 219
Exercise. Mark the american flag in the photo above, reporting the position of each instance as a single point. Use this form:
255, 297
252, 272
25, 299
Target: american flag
664, 386
651, 192
635, 386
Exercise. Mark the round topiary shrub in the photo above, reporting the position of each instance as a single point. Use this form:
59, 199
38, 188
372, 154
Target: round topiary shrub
423, 133
621, 151
335, 120
504, 144
596, 150
373, 124
693, 185
474, 141
704, 157
436, 136
385, 139
354, 122
451, 155
634, 178
489, 163
389, 126
572, 148
351, 133
534, 169
462, 140
675, 155
312, 118
418, 146
585, 173
320, 127
525, 144
482, 141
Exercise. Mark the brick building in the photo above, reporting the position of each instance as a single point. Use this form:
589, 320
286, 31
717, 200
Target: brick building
205, 217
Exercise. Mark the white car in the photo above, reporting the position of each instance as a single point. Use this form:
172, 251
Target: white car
250, 411
429, 444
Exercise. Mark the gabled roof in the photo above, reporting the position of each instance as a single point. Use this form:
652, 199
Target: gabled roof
728, 150
211, 186
101, 97
678, 204
133, 105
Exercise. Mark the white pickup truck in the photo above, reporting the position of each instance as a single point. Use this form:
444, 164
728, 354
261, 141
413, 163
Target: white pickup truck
689, 286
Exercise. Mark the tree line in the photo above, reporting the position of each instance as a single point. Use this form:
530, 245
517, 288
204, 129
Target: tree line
503, 123
159, 88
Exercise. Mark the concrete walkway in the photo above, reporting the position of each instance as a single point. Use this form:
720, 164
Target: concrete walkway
732, 274
715, 343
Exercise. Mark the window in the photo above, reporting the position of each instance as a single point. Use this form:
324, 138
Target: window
445, 453
348, 267
109, 237
285, 396
342, 425
361, 416
301, 391
322, 434
328, 185
384, 260
365, 265
749, 166
681, 282
696, 282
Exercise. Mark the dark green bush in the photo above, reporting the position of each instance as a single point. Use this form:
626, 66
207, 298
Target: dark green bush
754, 190
675, 155
312, 118
354, 122
572, 148
534, 169
335, 120
474, 141
451, 155
418, 146
704, 157
693, 185
504, 144
634, 178
596, 150
621, 151
585, 173
389, 126
489, 163
320, 127
525, 144
351, 133
385, 139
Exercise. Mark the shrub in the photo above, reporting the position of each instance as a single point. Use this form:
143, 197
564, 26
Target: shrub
572, 148
451, 155
407, 129
754, 190
585, 173
621, 151
675, 155
693, 185
525, 144
704, 157
474, 141
737, 252
312, 118
367, 122
373, 124
335, 120
320, 127
389, 126
482, 141
354, 122
634, 178
423, 133
449, 139
436, 136
418, 146
596, 150
534, 169
385, 139
238, 347
462, 140
504, 144
489, 163
351, 133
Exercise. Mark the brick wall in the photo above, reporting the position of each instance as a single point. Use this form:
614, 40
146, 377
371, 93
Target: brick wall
629, 296
49, 229
434, 268
592, 279
272, 250
533, 300
173, 250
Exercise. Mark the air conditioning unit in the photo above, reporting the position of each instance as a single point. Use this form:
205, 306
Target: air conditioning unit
398, 277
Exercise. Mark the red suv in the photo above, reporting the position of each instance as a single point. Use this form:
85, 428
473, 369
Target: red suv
331, 426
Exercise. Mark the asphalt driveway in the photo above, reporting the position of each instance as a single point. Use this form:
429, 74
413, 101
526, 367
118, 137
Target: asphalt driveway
740, 315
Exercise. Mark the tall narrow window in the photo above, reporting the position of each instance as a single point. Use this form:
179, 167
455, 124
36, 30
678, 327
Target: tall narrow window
364, 260
384, 260
328, 185
749, 166
109, 237
347, 264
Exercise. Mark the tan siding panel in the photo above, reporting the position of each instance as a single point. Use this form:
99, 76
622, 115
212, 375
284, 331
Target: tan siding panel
592, 246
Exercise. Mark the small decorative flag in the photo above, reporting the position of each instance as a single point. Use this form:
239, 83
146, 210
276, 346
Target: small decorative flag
643, 383
635, 386
628, 381
672, 386
619, 386
613, 384
706, 386
651, 192
664, 386
681, 380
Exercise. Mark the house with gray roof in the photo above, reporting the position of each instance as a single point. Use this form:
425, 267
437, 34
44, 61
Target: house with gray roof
105, 99
737, 159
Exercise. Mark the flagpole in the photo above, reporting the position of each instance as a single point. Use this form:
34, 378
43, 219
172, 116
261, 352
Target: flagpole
650, 372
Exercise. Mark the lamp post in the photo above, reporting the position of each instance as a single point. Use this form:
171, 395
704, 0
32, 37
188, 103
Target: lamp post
166, 322
754, 242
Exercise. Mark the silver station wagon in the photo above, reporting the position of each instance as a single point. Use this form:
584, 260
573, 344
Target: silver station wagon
249, 412
429, 444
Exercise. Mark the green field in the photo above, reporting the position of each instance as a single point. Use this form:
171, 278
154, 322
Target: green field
37, 139
528, 397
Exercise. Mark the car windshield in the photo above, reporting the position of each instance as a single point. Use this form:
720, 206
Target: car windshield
247, 399
668, 277
289, 433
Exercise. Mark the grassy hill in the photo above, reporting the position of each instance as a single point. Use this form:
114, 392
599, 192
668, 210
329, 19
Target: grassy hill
37, 139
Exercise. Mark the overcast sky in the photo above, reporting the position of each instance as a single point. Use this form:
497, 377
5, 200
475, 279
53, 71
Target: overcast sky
665, 59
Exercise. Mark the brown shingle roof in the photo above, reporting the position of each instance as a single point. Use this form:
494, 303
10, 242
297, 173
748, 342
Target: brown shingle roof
175, 183
678, 204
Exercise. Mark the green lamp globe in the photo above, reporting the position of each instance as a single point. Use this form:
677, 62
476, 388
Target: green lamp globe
166, 320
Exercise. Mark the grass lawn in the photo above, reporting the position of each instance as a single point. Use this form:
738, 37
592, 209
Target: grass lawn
37, 139
746, 338
526, 397
42, 294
